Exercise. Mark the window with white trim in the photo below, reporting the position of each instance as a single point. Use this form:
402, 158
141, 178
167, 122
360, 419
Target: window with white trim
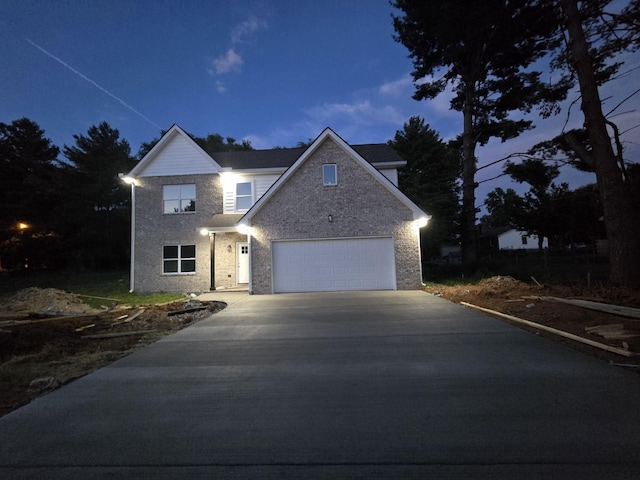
244, 195
177, 259
179, 198
329, 174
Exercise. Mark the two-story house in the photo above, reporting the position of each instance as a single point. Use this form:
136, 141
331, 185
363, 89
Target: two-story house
324, 218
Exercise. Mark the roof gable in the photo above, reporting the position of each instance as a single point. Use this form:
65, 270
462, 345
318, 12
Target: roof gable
330, 134
175, 154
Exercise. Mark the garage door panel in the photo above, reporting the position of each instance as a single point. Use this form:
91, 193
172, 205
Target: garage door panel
333, 265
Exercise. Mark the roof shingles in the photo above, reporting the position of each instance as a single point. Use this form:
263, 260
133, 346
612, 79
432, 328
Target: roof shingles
375, 153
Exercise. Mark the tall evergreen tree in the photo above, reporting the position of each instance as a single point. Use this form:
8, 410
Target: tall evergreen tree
485, 52
430, 180
28, 191
28, 161
96, 208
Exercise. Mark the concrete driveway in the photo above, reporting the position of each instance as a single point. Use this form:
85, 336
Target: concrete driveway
336, 385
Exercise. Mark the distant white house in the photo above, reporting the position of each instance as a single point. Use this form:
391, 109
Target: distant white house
516, 240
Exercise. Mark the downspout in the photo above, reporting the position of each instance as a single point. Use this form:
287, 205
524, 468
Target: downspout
212, 250
250, 264
419, 234
133, 238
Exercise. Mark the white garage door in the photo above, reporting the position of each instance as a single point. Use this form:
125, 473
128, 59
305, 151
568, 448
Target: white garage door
333, 265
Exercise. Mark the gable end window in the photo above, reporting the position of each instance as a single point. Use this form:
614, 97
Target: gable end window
524, 240
179, 198
244, 196
329, 174
177, 259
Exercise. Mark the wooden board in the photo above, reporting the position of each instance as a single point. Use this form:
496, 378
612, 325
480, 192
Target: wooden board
601, 307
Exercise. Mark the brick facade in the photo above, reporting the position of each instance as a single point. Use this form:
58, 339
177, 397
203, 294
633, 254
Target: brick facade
154, 229
359, 204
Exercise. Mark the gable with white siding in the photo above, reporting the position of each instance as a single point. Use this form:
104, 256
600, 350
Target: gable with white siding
175, 154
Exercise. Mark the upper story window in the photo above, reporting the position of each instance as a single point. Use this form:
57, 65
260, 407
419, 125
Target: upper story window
329, 174
179, 198
524, 239
244, 196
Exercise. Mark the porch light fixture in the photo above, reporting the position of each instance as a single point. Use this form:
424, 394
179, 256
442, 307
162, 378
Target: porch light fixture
229, 248
23, 226
330, 218
204, 232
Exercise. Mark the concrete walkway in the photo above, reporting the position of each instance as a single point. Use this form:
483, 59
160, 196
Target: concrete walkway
336, 385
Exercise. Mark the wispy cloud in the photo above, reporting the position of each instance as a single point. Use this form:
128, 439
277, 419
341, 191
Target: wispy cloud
232, 61
229, 62
362, 112
220, 86
367, 115
402, 86
92, 82
244, 30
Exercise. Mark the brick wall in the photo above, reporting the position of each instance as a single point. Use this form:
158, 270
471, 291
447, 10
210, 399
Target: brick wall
154, 229
359, 205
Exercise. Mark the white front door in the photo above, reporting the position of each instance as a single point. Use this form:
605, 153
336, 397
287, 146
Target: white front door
242, 262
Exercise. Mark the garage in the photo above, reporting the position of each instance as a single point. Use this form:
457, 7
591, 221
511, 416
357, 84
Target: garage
327, 265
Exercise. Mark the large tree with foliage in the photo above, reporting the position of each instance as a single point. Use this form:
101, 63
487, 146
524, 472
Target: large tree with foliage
429, 179
534, 212
28, 190
484, 51
96, 207
594, 36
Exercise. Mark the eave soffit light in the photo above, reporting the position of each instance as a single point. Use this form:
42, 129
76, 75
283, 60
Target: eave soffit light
243, 229
422, 221
128, 179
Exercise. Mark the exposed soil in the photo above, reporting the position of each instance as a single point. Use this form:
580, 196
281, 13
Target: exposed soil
522, 300
49, 337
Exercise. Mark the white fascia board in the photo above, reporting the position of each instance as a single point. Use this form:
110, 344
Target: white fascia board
328, 133
160, 144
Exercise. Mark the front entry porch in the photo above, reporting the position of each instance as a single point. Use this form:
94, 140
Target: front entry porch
229, 253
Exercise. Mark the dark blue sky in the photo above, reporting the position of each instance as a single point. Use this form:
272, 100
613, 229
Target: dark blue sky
274, 72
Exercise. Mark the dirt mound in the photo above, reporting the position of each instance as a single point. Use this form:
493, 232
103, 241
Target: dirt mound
45, 300
500, 282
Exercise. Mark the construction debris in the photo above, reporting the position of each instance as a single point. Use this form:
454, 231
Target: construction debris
602, 307
615, 331
121, 334
42, 385
555, 331
73, 339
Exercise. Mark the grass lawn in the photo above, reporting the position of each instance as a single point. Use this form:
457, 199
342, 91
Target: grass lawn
111, 285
